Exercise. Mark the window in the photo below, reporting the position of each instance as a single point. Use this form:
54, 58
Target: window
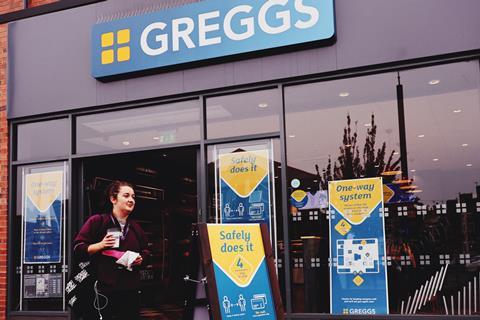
46, 139
344, 129
244, 187
243, 114
39, 238
139, 128
348, 129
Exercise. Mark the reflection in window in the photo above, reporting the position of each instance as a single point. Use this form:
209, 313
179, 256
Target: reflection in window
442, 110
45, 139
243, 114
348, 129
337, 130
139, 128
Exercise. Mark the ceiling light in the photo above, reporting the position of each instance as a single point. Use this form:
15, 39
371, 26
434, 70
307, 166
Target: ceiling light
413, 170
457, 111
469, 165
156, 138
164, 155
434, 82
263, 105
291, 136
315, 180
435, 159
421, 136
344, 94
126, 143
465, 145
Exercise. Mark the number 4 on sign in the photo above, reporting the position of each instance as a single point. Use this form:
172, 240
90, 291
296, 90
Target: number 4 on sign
239, 263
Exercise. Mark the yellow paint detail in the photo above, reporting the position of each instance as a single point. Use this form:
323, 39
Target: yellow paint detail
107, 56
299, 195
243, 171
358, 281
44, 188
107, 39
123, 54
355, 199
343, 227
238, 258
123, 36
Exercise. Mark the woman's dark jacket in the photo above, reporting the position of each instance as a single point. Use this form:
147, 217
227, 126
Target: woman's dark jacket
109, 273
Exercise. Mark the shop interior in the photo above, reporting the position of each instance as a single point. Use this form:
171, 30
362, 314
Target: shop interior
166, 206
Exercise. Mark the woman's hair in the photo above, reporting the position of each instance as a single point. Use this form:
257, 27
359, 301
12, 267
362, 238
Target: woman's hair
112, 192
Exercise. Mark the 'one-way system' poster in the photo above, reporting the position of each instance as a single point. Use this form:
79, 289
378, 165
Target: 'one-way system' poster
241, 272
358, 273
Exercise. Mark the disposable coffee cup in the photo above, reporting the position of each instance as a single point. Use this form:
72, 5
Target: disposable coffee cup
116, 233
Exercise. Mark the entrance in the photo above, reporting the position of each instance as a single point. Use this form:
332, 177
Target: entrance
166, 206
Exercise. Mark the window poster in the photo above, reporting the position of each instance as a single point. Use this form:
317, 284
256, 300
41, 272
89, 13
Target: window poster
358, 273
241, 271
244, 183
42, 216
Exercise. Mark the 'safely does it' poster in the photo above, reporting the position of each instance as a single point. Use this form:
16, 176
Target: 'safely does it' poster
244, 180
238, 263
358, 273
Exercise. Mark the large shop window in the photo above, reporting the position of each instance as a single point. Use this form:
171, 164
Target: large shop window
244, 187
42, 140
243, 114
135, 128
39, 238
407, 243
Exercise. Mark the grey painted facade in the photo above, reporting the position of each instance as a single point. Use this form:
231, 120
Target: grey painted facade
49, 56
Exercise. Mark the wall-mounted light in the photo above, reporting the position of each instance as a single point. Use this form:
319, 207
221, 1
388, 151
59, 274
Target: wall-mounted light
126, 143
421, 136
434, 82
457, 111
343, 94
435, 159
263, 105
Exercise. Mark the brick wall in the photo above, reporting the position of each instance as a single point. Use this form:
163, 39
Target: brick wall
6, 6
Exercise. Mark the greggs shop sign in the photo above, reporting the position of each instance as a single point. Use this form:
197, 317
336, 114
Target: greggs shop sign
206, 30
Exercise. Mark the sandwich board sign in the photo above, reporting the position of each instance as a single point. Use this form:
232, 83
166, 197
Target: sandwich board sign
238, 263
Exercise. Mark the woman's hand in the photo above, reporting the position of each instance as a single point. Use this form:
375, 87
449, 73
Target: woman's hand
107, 242
138, 261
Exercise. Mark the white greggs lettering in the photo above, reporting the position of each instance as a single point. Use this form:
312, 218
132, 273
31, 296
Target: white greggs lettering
205, 23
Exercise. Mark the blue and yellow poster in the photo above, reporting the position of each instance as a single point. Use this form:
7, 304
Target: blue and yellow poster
358, 273
43, 217
244, 186
241, 272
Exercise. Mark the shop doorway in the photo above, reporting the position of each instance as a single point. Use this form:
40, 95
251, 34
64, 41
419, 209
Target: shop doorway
167, 205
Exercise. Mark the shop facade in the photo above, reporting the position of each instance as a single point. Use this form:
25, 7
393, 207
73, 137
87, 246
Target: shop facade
393, 93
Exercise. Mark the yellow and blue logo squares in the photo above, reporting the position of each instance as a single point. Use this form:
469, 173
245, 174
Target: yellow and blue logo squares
123, 36
120, 47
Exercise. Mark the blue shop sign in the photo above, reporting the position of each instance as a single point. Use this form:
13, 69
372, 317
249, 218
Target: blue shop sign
207, 30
